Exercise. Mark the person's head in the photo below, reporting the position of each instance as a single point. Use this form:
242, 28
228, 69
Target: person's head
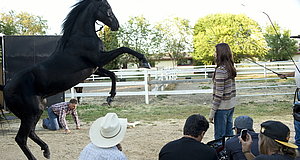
243, 122
73, 103
108, 131
223, 56
274, 138
196, 125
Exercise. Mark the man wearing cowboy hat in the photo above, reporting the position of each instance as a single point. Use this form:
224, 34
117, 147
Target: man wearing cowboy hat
105, 133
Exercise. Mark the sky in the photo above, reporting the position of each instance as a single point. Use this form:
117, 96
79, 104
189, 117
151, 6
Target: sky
283, 12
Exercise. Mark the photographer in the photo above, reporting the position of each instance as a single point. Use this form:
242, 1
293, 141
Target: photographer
233, 146
273, 143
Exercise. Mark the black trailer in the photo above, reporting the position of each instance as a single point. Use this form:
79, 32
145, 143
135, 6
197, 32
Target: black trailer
19, 52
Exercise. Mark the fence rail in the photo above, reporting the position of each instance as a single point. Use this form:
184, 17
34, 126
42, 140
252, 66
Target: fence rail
154, 81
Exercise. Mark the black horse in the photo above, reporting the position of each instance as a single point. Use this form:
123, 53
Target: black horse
79, 53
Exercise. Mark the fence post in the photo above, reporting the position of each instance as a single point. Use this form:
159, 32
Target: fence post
72, 92
265, 71
205, 72
156, 78
146, 86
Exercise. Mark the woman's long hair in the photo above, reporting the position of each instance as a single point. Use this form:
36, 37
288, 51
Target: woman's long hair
224, 57
268, 145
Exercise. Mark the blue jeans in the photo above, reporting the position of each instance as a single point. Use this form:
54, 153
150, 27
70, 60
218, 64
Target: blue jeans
297, 132
223, 123
51, 122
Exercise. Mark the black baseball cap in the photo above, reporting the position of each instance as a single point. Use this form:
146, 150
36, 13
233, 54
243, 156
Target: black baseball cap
277, 131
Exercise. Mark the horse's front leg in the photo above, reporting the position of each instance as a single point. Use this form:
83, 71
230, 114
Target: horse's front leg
143, 61
106, 73
107, 57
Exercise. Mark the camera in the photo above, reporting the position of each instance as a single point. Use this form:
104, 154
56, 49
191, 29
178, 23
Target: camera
244, 134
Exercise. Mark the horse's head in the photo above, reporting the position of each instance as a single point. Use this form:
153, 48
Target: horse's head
105, 14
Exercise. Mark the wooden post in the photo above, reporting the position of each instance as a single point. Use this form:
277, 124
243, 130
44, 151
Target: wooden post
72, 92
146, 86
265, 71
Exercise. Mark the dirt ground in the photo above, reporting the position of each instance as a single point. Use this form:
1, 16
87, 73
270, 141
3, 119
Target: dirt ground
143, 142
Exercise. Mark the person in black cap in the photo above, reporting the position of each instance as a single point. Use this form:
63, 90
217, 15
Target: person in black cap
233, 146
273, 143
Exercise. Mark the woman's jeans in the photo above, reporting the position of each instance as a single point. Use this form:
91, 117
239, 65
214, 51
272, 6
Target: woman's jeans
297, 127
223, 123
297, 133
51, 122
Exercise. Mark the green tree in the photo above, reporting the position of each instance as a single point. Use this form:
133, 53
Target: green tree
175, 38
243, 34
281, 47
136, 34
22, 24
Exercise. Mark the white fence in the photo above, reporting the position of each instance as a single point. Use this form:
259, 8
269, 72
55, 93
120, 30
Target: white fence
154, 81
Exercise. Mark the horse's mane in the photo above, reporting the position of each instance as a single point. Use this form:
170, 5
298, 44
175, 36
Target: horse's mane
70, 20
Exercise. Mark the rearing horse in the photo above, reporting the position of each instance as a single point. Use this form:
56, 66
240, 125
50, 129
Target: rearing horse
79, 53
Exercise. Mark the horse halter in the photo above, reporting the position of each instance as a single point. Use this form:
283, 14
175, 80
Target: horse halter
101, 26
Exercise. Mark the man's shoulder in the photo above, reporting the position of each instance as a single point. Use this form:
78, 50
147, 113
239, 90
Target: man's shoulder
233, 139
59, 104
188, 141
94, 152
171, 143
253, 134
233, 144
187, 148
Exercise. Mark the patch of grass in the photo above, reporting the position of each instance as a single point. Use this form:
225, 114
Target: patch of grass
264, 109
150, 112
161, 97
142, 112
205, 87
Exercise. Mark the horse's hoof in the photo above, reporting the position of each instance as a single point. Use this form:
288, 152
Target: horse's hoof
46, 154
109, 100
145, 65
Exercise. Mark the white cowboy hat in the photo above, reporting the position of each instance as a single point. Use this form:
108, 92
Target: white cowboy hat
108, 131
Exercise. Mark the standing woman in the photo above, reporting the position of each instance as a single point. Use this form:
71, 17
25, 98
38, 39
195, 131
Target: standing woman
224, 92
